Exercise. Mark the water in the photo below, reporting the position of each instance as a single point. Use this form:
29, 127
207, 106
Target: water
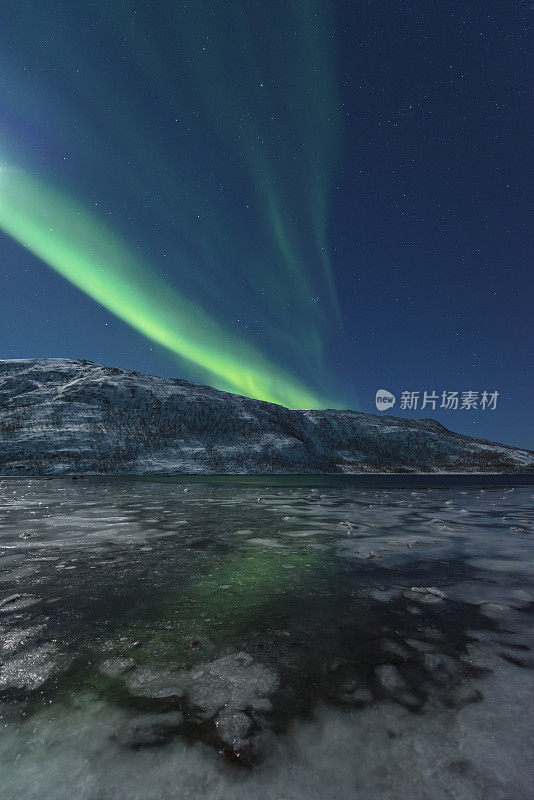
186, 638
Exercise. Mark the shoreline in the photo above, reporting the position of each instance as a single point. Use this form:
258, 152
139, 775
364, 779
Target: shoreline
412, 480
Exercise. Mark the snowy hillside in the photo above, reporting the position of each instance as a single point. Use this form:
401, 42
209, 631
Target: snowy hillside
61, 416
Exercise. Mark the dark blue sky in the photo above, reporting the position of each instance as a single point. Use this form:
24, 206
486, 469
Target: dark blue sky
344, 187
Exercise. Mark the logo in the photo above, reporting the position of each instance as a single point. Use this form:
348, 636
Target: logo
448, 400
384, 399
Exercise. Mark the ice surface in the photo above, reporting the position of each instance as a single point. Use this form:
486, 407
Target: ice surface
234, 682
29, 669
113, 667
256, 650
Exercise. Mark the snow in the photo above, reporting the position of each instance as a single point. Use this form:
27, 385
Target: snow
63, 416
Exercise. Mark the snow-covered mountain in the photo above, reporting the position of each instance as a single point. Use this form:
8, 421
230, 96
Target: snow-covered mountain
62, 416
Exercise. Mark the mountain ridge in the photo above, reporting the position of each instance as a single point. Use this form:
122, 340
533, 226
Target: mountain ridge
67, 416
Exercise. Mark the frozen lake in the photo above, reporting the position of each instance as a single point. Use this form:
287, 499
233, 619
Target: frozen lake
327, 641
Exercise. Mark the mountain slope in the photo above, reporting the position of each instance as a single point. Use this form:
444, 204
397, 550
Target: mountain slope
62, 416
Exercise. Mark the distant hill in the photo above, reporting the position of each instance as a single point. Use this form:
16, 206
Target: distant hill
62, 416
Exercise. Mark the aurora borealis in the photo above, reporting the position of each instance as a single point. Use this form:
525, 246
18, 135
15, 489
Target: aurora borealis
268, 274
299, 201
80, 248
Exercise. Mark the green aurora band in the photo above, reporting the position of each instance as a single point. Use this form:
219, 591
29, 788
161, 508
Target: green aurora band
76, 244
221, 127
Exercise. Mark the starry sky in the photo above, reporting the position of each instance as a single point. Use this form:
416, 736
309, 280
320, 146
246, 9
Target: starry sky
303, 201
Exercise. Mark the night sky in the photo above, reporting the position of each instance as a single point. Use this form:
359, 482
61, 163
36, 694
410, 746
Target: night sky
298, 201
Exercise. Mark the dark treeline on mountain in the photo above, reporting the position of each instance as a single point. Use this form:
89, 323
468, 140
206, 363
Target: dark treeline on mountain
60, 416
